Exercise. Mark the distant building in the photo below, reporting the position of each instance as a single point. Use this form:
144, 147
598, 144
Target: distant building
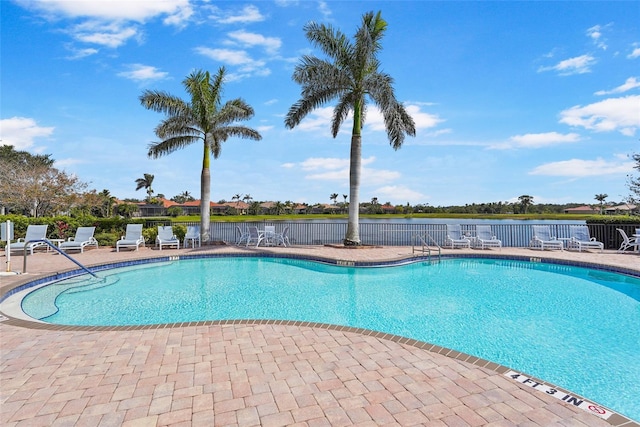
623, 209
586, 209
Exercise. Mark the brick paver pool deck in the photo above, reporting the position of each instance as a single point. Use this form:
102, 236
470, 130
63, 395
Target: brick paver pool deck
260, 373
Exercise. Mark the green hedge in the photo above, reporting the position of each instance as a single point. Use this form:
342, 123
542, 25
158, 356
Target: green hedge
108, 230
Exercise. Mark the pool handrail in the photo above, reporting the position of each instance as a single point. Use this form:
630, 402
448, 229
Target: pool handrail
424, 244
48, 242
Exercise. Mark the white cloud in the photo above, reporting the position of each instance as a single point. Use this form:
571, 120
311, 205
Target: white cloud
246, 15
324, 9
583, 168
611, 114
109, 23
21, 132
81, 53
635, 53
110, 34
537, 140
337, 169
143, 73
595, 33
140, 11
264, 128
270, 44
400, 194
238, 58
320, 119
422, 120
630, 83
578, 65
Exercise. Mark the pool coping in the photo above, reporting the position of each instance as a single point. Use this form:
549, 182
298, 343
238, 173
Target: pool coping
613, 418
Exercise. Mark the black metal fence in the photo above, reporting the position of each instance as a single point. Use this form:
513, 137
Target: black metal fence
402, 234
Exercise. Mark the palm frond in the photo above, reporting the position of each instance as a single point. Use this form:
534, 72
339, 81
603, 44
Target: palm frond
168, 146
163, 102
340, 113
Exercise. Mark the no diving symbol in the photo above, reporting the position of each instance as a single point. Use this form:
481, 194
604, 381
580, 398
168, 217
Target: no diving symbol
597, 409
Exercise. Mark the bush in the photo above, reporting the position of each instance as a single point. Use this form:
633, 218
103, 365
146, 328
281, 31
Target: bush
107, 239
150, 235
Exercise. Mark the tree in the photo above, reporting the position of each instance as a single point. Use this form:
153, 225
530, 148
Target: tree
107, 203
237, 198
601, 198
525, 202
31, 185
145, 183
334, 197
634, 183
351, 76
204, 118
183, 197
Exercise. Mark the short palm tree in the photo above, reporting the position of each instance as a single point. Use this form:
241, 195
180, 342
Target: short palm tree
351, 76
204, 118
145, 183
601, 198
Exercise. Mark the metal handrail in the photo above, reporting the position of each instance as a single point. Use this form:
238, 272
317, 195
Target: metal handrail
57, 249
425, 244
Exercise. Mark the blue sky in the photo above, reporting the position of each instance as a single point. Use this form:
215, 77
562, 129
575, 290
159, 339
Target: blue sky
509, 98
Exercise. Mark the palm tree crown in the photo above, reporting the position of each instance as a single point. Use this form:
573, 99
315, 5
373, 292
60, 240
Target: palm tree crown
145, 183
351, 75
203, 119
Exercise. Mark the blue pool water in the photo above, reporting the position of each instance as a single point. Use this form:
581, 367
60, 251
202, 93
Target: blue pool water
574, 327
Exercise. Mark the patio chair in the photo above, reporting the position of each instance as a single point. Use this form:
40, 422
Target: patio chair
34, 232
132, 239
269, 235
628, 242
455, 237
241, 236
283, 238
166, 237
254, 236
485, 238
581, 239
84, 237
542, 239
192, 235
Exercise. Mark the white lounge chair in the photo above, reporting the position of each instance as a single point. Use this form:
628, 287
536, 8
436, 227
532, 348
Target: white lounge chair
254, 236
542, 239
486, 238
166, 237
628, 242
84, 237
132, 239
34, 232
455, 237
283, 238
241, 236
581, 239
192, 235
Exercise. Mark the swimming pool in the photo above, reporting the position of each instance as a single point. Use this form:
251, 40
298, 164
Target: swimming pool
577, 328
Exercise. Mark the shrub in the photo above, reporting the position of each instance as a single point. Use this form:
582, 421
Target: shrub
107, 239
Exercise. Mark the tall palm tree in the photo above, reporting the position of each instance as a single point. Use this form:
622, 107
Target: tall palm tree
351, 75
334, 197
601, 198
525, 201
146, 184
203, 118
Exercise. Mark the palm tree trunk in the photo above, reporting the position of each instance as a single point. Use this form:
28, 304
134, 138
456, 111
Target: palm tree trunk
352, 237
205, 196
